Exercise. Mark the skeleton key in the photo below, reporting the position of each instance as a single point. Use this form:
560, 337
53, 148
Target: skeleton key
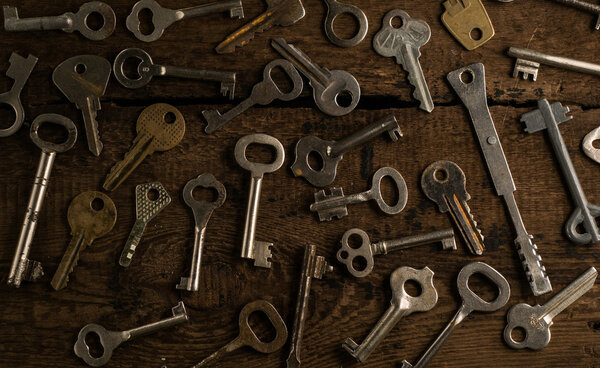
91, 216
327, 85
163, 17
333, 205
110, 340
160, 127
402, 305
548, 117
528, 62
471, 302
83, 80
147, 69
22, 268
150, 200
263, 93
259, 251
588, 145
19, 70
279, 13
67, 22
331, 152
468, 22
348, 253
403, 44
202, 211
537, 320
335, 9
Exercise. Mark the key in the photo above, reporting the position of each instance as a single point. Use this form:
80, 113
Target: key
547, 117
403, 44
334, 204
259, 251
588, 145
537, 320
67, 22
585, 6
83, 80
91, 215
19, 70
150, 200
444, 183
327, 85
279, 13
335, 9
110, 340
160, 127
163, 17
331, 152
353, 256
247, 337
146, 70
528, 63
23, 268
263, 93
402, 305
471, 302
202, 212
468, 22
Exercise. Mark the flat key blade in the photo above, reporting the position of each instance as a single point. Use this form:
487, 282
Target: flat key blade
570, 294
69, 260
141, 148
410, 63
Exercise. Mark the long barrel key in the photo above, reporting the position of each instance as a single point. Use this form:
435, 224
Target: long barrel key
528, 63
19, 70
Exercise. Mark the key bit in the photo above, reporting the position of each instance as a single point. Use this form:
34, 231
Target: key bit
468, 22
19, 70
329, 213
528, 62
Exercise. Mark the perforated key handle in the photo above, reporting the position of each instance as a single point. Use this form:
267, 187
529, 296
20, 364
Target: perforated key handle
92, 212
424, 277
144, 70
375, 191
58, 120
146, 208
259, 169
347, 254
82, 76
19, 70
109, 20
202, 210
164, 123
443, 177
388, 41
335, 9
470, 300
161, 19
247, 337
266, 91
576, 221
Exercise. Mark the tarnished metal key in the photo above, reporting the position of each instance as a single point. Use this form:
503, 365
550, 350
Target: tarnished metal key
335, 9
528, 63
588, 145
468, 22
19, 71
91, 215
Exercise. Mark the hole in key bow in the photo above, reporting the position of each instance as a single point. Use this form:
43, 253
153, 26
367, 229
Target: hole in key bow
130, 68
54, 133
7, 116
483, 287
146, 24
256, 152
389, 190
345, 26
169, 118
94, 21
343, 254
262, 326
518, 334
440, 175
359, 263
344, 99
413, 288
396, 22
80, 68
281, 79
97, 204
152, 194
92, 340
596, 143
355, 241
476, 34
202, 194
315, 161
467, 76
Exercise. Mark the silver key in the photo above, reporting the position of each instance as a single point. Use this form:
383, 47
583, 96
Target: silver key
403, 44
150, 200
537, 320
202, 212
333, 205
67, 22
259, 251
263, 93
588, 145
110, 340
19, 70
352, 255
327, 85
146, 70
335, 9
23, 268
163, 17
528, 62
402, 305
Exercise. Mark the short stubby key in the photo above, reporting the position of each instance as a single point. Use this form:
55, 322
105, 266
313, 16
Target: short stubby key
334, 10
466, 18
528, 63
19, 70
150, 200
22, 268
327, 85
403, 44
353, 255
335, 204
402, 305
91, 215
110, 340
163, 17
331, 152
588, 145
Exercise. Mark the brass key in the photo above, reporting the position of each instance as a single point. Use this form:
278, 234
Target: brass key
160, 127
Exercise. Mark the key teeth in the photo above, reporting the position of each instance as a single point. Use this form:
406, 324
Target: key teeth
237, 12
538, 261
227, 89
214, 120
262, 254
426, 102
406, 364
527, 68
33, 271
350, 346
241, 40
183, 285
475, 225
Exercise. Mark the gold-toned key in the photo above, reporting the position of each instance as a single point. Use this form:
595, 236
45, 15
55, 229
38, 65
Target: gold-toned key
91, 216
160, 127
468, 22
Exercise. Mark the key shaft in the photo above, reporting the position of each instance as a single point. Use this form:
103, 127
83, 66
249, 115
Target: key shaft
69, 260
388, 124
554, 60
13, 23
135, 236
569, 295
446, 237
232, 6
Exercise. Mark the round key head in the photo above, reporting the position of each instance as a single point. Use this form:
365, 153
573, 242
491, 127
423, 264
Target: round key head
400, 185
330, 100
108, 339
441, 178
472, 301
249, 338
164, 123
259, 169
202, 209
58, 120
109, 20
161, 19
266, 91
144, 69
357, 258
334, 9
93, 212
328, 165
528, 318
428, 296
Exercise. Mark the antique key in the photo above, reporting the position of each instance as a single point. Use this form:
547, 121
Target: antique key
263, 93
331, 152
83, 80
259, 251
160, 127
279, 13
147, 69
67, 22
402, 305
19, 70
468, 22
110, 340
91, 216
588, 145
403, 44
333, 205
537, 320
202, 211
163, 17
150, 200
444, 183
335, 9
22, 268
586, 6
327, 85
528, 63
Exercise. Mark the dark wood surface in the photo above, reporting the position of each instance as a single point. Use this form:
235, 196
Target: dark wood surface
38, 326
